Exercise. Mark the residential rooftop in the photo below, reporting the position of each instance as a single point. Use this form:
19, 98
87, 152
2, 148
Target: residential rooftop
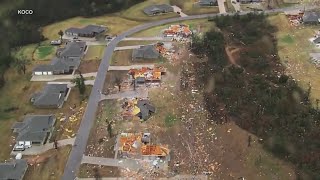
52, 96
14, 170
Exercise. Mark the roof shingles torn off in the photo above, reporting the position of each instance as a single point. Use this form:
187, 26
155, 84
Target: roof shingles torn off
52, 96
157, 9
14, 170
34, 128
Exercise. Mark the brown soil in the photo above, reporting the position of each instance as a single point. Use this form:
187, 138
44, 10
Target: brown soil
233, 54
89, 66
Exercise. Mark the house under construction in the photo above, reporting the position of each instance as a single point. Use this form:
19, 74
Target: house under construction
139, 146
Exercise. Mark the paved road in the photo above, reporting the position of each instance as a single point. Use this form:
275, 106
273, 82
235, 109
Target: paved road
88, 119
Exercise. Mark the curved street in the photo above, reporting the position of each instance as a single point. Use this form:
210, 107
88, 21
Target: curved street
76, 154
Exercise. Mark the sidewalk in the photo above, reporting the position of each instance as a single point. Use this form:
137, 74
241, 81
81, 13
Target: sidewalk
34, 150
60, 77
222, 8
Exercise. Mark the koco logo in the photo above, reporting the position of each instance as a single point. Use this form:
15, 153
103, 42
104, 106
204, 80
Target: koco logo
25, 11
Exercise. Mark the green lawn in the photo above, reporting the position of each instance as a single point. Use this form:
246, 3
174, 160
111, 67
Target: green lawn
114, 23
136, 13
293, 49
94, 53
45, 52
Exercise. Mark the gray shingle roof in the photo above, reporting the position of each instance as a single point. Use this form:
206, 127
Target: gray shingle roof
73, 49
145, 108
59, 64
317, 40
90, 29
311, 17
146, 52
207, 2
13, 170
34, 127
159, 8
51, 96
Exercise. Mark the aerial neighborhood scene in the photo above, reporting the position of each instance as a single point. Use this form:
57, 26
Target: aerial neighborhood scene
160, 89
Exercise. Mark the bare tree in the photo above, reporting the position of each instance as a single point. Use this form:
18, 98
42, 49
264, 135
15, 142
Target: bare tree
21, 64
118, 81
60, 34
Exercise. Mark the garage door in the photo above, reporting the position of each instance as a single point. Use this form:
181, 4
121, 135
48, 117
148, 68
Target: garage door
45, 73
38, 73
49, 73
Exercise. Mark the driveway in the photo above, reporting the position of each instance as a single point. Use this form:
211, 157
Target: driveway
60, 77
127, 68
176, 9
139, 92
127, 47
236, 5
34, 150
88, 119
222, 8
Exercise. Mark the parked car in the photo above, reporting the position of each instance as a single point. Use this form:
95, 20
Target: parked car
18, 147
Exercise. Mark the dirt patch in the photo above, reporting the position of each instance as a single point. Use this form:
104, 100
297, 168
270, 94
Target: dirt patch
112, 79
89, 66
233, 54
95, 171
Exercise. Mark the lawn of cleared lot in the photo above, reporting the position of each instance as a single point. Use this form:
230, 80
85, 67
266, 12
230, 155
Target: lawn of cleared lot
121, 58
132, 43
94, 53
114, 23
201, 25
294, 48
136, 13
51, 165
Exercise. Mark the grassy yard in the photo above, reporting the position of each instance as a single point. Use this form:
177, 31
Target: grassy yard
136, 13
45, 52
51, 165
26, 51
94, 53
201, 25
90, 171
294, 48
114, 23
121, 58
15, 103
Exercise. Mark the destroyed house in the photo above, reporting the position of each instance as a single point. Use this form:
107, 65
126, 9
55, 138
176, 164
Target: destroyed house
157, 9
141, 108
311, 17
145, 52
179, 30
146, 74
36, 129
138, 146
88, 31
14, 170
73, 49
52, 96
58, 66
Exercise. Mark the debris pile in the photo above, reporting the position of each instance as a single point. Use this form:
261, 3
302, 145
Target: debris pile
295, 18
146, 74
137, 107
139, 146
179, 32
